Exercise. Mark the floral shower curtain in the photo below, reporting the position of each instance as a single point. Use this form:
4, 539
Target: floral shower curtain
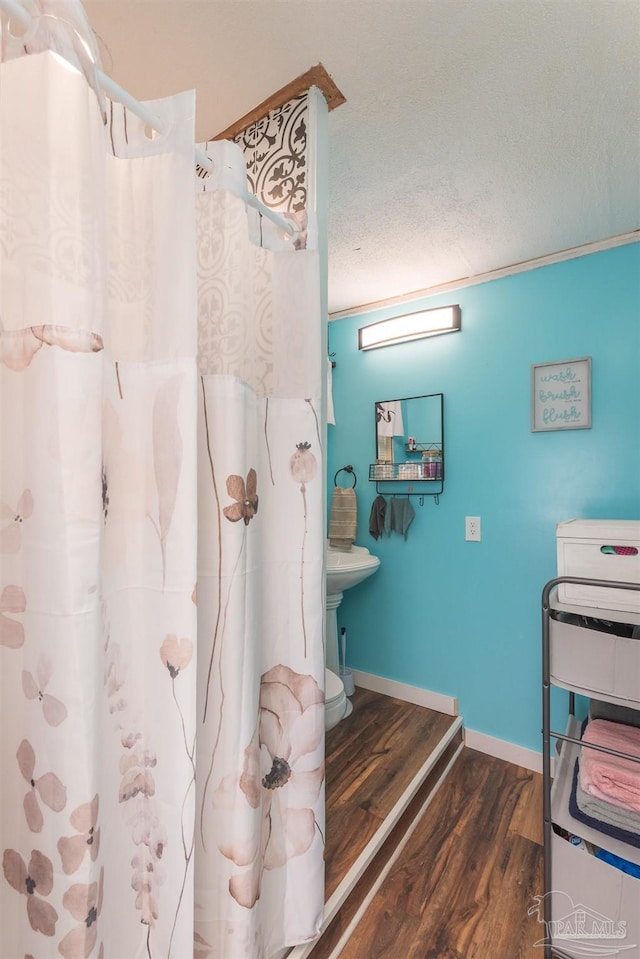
161, 543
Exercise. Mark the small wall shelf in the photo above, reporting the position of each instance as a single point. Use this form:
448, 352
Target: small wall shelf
410, 471
423, 448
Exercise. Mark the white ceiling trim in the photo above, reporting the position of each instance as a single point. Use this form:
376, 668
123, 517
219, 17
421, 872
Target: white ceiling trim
622, 239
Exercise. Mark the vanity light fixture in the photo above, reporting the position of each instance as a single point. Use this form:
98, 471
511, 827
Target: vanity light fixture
411, 326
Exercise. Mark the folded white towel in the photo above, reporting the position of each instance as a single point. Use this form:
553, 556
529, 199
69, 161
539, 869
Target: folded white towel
389, 418
343, 521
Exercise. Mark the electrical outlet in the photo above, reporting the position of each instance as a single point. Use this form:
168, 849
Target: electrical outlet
472, 529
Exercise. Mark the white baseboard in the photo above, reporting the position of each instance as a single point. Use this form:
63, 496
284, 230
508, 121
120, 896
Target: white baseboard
501, 749
409, 694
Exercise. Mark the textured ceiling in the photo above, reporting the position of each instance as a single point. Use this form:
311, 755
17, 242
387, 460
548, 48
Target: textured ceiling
476, 133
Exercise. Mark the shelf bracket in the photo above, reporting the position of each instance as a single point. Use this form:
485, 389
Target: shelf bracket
421, 494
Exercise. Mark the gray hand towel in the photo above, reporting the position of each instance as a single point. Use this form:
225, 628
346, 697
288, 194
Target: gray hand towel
376, 518
399, 516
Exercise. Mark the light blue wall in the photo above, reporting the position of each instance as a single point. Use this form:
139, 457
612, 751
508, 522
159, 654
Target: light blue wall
464, 618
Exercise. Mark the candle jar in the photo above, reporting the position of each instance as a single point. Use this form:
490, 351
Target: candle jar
432, 464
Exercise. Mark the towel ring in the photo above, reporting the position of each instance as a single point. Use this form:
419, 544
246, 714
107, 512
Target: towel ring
346, 469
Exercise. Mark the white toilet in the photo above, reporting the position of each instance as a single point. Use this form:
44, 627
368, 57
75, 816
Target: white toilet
336, 704
344, 570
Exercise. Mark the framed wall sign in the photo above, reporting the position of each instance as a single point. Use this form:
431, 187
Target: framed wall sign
561, 395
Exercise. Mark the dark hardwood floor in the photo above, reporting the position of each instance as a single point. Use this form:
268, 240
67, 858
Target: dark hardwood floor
371, 759
462, 885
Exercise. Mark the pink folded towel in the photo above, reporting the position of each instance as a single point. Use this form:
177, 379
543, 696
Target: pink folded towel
611, 778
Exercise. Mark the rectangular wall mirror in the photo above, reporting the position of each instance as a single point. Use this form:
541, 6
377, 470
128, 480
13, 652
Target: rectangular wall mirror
410, 438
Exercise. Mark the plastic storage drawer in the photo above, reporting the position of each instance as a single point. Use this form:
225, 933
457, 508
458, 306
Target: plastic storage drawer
599, 549
599, 664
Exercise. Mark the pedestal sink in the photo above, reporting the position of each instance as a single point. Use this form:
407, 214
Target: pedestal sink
344, 570
347, 569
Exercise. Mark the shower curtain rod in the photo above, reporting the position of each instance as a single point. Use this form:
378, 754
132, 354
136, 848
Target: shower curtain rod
15, 9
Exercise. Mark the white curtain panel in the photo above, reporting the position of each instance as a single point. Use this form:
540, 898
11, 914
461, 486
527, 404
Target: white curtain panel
161, 745
260, 827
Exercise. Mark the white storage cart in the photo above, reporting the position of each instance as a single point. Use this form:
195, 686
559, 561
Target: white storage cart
590, 906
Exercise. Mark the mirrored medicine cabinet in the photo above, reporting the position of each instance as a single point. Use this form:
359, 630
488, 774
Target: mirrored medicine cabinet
409, 444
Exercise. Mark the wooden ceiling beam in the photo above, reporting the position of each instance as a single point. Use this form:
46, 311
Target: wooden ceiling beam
315, 77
